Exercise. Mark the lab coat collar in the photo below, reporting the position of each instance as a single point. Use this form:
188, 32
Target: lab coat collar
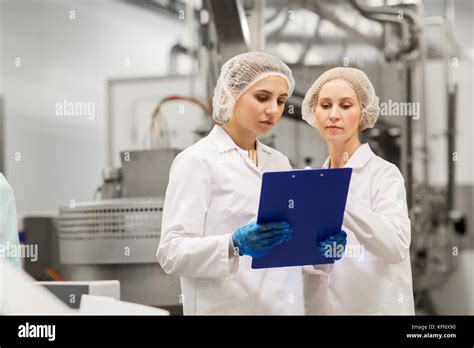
263, 153
225, 143
221, 139
358, 159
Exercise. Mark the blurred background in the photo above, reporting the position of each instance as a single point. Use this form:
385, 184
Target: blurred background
98, 97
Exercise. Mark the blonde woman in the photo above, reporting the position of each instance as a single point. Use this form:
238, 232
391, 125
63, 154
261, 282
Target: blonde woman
374, 277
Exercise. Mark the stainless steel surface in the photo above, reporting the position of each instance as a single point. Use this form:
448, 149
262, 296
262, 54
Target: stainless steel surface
112, 186
121, 231
148, 284
111, 174
40, 231
139, 283
70, 292
145, 173
117, 239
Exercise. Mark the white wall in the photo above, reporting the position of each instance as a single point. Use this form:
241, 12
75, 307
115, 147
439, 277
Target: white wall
63, 58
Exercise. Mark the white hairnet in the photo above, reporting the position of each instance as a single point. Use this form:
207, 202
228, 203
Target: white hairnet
239, 74
362, 87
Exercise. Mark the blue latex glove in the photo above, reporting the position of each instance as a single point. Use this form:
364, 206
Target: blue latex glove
258, 239
333, 247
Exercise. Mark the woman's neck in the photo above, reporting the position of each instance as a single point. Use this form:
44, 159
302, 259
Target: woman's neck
340, 153
242, 138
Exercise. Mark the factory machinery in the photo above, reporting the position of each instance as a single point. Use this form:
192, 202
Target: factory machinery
116, 235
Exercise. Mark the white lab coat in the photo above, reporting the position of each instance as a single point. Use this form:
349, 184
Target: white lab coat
379, 280
8, 221
214, 189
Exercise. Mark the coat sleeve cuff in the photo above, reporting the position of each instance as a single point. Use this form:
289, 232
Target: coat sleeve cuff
233, 257
321, 270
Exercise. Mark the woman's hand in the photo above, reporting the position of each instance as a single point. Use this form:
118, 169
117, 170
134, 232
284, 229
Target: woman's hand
258, 239
333, 247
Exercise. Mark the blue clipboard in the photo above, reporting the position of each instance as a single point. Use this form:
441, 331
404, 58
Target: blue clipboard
313, 201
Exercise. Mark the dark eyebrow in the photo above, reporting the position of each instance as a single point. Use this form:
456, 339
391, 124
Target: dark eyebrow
268, 92
343, 99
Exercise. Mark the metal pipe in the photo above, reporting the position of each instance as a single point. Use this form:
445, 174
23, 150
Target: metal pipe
423, 114
385, 10
208, 51
308, 43
409, 139
232, 27
170, 9
451, 133
390, 15
276, 15
441, 22
324, 14
409, 44
275, 34
256, 25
